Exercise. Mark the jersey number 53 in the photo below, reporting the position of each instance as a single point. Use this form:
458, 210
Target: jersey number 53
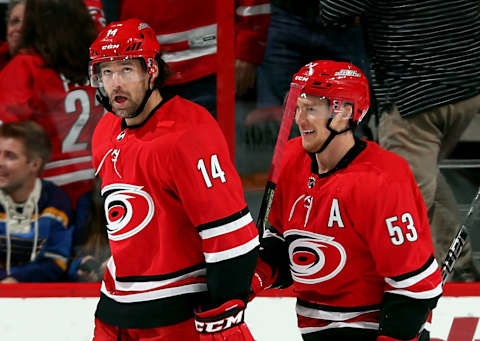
397, 234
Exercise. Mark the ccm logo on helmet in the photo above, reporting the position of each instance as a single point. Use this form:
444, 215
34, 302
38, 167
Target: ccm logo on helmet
301, 78
219, 325
110, 46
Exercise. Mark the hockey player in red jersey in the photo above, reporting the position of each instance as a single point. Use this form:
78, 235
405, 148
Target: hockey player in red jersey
347, 225
183, 242
47, 82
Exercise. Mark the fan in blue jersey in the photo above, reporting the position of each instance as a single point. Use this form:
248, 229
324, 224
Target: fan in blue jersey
35, 237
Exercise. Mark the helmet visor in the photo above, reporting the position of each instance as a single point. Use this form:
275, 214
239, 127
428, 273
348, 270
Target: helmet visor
114, 71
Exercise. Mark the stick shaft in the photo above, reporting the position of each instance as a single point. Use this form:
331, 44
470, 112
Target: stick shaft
472, 217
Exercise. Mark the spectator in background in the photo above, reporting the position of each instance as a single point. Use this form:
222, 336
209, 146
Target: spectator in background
90, 242
96, 12
425, 66
35, 238
187, 32
47, 82
14, 20
295, 37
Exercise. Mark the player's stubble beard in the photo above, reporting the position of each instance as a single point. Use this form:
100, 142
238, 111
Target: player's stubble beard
129, 111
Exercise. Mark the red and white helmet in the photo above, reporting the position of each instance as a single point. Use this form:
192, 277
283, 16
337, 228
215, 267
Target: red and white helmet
122, 40
338, 82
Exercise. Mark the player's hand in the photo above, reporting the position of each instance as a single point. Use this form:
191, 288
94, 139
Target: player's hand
388, 338
224, 323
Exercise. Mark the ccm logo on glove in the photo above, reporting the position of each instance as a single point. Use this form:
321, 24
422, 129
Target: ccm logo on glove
220, 324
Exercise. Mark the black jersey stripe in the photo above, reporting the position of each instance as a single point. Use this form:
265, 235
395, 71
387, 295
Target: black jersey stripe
223, 221
329, 308
162, 277
416, 272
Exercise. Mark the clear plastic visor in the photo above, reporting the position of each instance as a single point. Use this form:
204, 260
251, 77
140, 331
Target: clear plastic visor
112, 72
321, 106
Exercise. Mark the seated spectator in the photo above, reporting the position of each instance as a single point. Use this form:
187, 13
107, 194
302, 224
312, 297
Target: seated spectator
90, 242
35, 238
14, 21
47, 82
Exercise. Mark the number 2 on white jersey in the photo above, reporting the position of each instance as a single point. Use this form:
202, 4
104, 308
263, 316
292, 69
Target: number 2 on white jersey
215, 168
396, 233
69, 144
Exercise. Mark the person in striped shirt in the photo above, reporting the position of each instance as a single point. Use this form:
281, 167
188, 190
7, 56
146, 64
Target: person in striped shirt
425, 66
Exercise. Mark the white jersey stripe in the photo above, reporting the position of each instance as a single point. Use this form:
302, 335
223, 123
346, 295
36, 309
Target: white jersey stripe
66, 162
246, 11
71, 177
414, 279
155, 294
142, 286
362, 325
214, 257
227, 228
419, 295
188, 54
187, 35
329, 315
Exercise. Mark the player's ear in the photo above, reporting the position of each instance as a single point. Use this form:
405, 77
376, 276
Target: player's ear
153, 73
347, 111
36, 164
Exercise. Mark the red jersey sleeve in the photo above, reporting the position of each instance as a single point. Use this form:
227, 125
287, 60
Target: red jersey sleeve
398, 233
251, 26
16, 90
210, 189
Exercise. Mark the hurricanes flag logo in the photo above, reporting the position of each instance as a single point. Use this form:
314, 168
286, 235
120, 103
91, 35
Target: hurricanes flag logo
314, 258
128, 210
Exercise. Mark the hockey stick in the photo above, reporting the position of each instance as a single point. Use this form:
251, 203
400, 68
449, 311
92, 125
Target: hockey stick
282, 138
472, 217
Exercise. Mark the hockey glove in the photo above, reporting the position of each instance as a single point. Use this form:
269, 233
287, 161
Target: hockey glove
262, 279
388, 338
224, 323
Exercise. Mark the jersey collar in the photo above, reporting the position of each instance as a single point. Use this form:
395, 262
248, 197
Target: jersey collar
357, 148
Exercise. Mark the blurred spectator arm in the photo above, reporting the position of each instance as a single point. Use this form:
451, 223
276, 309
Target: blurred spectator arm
251, 26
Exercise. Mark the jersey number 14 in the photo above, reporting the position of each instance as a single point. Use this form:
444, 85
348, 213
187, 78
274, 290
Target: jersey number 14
216, 170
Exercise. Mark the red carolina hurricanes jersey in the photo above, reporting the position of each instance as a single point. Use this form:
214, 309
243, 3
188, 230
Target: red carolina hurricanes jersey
174, 204
187, 32
96, 11
68, 112
352, 234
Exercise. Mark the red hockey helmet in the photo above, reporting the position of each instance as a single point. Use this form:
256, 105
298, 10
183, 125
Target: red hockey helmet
338, 82
122, 40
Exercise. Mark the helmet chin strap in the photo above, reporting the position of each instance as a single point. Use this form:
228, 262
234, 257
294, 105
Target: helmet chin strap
105, 101
332, 135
